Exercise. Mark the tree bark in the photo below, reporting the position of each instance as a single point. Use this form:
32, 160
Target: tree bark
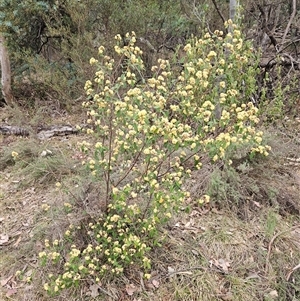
5, 73
232, 9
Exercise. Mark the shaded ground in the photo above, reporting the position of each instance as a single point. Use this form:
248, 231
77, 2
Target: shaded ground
245, 246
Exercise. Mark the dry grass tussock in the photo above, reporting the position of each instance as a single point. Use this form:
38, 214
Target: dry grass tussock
243, 246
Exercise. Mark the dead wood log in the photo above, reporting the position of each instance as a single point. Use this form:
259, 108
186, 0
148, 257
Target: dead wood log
13, 130
42, 133
46, 133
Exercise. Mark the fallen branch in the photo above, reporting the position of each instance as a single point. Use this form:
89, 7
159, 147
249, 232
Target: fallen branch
292, 271
46, 133
42, 133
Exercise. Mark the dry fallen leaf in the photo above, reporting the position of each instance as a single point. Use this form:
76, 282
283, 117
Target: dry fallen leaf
130, 289
149, 285
171, 270
28, 273
94, 290
5, 281
273, 294
11, 292
196, 253
253, 276
155, 283
227, 297
17, 242
220, 264
188, 224
257, 204
224, 265
4, 238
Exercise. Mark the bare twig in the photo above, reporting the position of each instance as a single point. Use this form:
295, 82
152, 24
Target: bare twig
291, 272
184, 271
265, 26
290, 22
148, 44
131, 166
271, 243
291, 61
218, 11
107, 293
109, 157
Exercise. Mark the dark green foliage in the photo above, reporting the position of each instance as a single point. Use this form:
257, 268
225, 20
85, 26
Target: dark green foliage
51, 41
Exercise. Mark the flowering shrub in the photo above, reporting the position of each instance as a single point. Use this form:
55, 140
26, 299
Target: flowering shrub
147, 130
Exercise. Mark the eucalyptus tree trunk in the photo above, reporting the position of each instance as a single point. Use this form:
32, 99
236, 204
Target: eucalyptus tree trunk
233, 6
232, 9
5, 72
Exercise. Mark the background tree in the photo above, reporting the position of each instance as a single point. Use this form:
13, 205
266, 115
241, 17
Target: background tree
50, 42
5, 72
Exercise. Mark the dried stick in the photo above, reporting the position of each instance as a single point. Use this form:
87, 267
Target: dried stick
290, 23
291, 272
271, 243
218, 10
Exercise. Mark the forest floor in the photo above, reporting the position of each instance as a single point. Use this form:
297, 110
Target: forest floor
243, 246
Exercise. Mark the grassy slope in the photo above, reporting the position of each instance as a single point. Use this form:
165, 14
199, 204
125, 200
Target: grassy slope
230, 250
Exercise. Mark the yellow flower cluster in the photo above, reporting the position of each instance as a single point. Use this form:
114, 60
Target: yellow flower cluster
149, 128
14, 155
46, 207
204, 200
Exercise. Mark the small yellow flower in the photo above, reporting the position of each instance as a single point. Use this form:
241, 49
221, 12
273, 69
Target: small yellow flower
168, 215
187, 47
93, 61
67, 205
118, 37
42, 254
222, 62
115, 190
45, 207
18, 273
211, 54
101, 50
58, 184
215, 158
222, 84
55, 242
206, 198
133, 194
14, 155
46, 287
